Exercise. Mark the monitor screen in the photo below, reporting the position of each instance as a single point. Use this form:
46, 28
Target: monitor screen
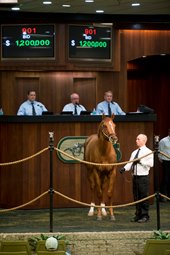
89, 42
66, 113
27, 41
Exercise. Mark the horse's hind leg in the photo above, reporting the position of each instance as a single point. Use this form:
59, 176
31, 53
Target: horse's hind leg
112, 217
92, 187
99, 214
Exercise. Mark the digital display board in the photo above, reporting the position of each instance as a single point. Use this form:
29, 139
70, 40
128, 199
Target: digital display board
28, 41
92, 43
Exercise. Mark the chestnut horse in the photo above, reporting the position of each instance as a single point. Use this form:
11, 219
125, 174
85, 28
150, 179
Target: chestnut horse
99, 148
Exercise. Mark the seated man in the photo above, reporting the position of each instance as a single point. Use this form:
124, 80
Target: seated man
74, 106
31, 106
108, 107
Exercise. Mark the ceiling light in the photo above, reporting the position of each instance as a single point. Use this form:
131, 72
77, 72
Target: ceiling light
137, 26
15, 8
99, 11
66, 5
136, 4
8, 1
89, 1
47, 2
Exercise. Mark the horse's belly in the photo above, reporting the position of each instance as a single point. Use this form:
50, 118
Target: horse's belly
105, 168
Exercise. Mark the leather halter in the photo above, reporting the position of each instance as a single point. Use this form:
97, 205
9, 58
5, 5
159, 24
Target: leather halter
112, 138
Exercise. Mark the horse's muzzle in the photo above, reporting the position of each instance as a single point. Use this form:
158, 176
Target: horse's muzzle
113, 139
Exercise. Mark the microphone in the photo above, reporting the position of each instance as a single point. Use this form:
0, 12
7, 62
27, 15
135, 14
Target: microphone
40, 106
78, 104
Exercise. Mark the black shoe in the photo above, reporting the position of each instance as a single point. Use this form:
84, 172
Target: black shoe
135, 219
143, 220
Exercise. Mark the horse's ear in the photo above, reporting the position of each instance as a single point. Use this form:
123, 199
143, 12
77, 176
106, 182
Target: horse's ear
103, 116
113, 116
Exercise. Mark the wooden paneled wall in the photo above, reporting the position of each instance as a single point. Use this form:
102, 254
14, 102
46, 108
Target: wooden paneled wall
148, 83
54, 88
144, 74
27, 179
54, 81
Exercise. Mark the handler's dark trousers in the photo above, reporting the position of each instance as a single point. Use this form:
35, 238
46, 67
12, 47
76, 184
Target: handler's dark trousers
141, 190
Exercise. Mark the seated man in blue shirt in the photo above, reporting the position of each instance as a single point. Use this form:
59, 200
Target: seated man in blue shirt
108, 107
74, 106
31, 106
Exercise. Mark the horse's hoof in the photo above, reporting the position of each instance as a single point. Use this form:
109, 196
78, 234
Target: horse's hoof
112, 218
99, 218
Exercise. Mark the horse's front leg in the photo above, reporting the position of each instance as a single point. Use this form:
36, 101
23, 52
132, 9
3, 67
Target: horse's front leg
91, 210
103, 209
104, 212
99, 187
110, 193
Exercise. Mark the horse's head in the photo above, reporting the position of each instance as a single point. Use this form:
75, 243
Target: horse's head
107, 129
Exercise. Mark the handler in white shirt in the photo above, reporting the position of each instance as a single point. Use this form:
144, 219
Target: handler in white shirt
140, 171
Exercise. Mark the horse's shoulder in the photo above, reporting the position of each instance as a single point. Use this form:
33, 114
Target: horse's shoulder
91, 137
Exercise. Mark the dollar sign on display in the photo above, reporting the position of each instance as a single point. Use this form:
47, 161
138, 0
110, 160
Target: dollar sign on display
73, 43
7, 43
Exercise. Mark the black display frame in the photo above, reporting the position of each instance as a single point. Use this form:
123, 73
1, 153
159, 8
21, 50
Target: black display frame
28, 55
86, 57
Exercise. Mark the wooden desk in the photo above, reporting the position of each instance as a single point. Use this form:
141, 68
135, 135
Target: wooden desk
23, 136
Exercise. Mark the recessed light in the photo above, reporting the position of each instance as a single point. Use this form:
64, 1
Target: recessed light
47, 2
15, 8
99, 11
136, 4
89, 1
66, 5
137, 26
8, 1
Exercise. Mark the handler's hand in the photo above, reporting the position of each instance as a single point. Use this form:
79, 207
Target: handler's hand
121, 170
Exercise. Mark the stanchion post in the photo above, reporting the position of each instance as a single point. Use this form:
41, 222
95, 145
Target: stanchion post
51, 191
156, 180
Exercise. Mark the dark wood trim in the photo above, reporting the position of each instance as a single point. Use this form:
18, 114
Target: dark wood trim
71, 118
120, 21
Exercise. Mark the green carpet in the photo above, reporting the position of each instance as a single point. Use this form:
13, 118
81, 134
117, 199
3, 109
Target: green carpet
76, 220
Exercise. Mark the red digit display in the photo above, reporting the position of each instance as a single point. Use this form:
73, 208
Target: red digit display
90, 31
29, 30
